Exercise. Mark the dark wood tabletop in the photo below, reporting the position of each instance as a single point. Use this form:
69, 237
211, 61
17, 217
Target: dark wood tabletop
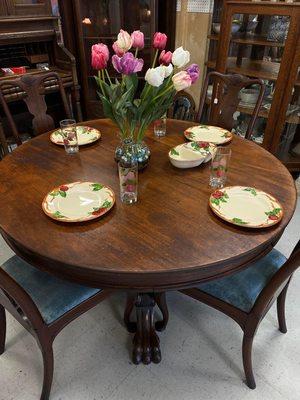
170, 239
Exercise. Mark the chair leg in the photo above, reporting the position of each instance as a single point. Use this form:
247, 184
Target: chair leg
48, 360
247, 361
2, 329
281, 310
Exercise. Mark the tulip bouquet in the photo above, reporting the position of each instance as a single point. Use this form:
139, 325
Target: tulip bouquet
133, 113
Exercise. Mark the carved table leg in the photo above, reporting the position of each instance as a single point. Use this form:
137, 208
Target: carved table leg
146, 341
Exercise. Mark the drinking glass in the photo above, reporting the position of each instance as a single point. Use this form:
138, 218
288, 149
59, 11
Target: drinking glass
128, 183
219, 167
69, 134
128, 173
160, 126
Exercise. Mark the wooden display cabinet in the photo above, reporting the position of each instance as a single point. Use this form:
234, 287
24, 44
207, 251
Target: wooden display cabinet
270, 50
25, 7
89, 22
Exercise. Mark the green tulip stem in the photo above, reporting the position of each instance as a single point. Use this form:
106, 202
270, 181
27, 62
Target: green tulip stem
108, 76
100, 82
136, 52
155, 58
164, 92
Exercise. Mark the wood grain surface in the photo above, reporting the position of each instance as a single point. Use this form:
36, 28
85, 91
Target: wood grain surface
170, 239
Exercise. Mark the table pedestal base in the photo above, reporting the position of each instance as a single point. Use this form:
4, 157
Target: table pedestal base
146, 341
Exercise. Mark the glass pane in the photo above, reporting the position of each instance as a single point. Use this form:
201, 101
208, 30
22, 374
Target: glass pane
106, 18
289, 146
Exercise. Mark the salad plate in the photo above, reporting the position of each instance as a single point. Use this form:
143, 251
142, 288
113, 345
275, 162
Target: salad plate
78, 201
192, 154
85, 134
246, 206
208, 133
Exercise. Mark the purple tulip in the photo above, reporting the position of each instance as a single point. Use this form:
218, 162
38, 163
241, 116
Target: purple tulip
193, 71
127, 64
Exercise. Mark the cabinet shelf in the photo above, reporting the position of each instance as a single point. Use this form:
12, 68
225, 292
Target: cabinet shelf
250, 39
254, 68
263, 113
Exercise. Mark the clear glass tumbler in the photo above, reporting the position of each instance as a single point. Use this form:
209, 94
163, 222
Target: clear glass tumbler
160, 126
219, 167
69, 134
128, 173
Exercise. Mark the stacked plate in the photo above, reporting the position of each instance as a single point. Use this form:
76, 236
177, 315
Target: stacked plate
189, 155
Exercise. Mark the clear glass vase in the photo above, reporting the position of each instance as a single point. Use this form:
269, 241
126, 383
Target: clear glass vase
141, 153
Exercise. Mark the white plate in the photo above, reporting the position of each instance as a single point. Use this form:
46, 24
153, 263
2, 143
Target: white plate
208, 133
189, 155
78, 201
85, 134
246, 206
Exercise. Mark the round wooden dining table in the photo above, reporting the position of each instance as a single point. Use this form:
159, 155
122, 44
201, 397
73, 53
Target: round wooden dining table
168, 240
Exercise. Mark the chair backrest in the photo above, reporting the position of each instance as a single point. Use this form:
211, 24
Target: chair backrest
31, 89
274, 287
17, 301
226, 97
183, 107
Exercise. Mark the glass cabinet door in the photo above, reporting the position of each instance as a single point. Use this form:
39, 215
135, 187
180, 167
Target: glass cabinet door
29, 7
101, 21
289, 144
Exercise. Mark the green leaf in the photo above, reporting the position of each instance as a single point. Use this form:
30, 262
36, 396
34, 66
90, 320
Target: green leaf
174, 152
239, 221
57, 214
54, 194
215, 201
251, 190
62, 193
96, 186
275, 211
106, 204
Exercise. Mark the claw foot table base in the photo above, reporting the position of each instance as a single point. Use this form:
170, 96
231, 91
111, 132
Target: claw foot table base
146, 347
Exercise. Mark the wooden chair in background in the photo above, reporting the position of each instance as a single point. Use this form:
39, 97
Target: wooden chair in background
31, 89
247, 296
225, 99
183, 107
44, 305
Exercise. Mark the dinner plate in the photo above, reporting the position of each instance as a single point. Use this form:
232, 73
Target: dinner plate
246, 206
85, 134
208, 133
78, 201
192, 154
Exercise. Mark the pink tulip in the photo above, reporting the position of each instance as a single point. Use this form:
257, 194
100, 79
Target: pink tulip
100, 56
165, 58
181, 80
119, 52
159, 40
138, 40
124, 41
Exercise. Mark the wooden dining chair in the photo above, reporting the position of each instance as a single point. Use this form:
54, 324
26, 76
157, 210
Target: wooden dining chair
225, 99
247, 296
31, 89
44, 305
183, 107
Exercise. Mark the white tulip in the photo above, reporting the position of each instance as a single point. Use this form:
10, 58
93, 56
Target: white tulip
180, 57
155, 76
167, 70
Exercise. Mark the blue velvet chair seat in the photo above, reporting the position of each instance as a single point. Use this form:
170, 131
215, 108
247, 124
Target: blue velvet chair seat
242, 289
52, 296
